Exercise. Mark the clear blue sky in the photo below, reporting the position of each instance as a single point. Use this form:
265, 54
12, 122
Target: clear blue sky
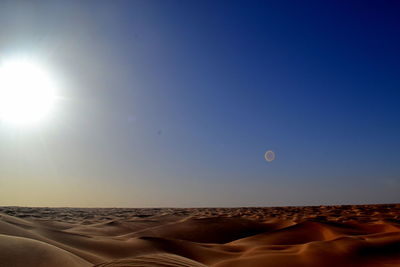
174, 103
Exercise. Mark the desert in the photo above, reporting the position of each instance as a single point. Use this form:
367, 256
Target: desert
350, 235
208, 133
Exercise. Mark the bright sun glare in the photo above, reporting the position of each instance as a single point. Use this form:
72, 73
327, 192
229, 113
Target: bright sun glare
27, 92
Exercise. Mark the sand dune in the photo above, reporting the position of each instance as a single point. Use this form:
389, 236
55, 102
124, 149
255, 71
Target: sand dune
19, 251
156, 260
366, 235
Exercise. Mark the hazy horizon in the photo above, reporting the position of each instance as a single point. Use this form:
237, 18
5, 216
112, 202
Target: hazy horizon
174, 104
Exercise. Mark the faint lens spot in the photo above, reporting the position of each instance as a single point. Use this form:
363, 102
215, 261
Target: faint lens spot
269, 155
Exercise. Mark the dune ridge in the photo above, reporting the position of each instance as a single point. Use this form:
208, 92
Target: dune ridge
357, 235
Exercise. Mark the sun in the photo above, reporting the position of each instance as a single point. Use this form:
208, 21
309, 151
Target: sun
27, 92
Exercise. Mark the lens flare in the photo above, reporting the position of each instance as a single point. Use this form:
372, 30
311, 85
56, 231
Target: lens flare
269, 155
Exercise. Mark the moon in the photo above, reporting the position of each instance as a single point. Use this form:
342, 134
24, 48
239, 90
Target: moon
27, 92
269, 155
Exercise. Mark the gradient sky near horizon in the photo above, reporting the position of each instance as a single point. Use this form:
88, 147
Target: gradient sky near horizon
174, 103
